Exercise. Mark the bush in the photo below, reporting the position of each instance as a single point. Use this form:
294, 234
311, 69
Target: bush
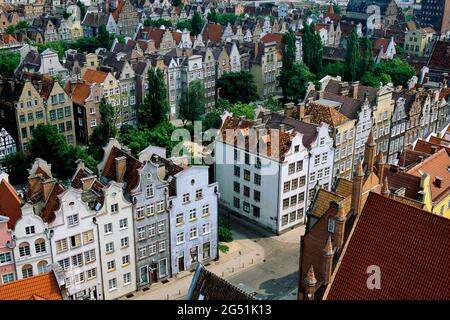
223, 248
225, 234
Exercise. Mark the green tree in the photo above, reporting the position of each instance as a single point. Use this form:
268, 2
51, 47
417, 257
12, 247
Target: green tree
184, 24
237, 87
298, 81
333, 69
155, 107
82, 9
352, 57
212, 120
399, 70
8, 62
16, 165
212, 16
104, 38
288, 58
337, 8
224, 231
372, 80
272, 104
192, 104
197, 23
225, 18
177, 3
243, 109
105, 130
312, 48
367, 62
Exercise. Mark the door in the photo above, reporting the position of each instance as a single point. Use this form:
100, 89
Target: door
154, 275
143, 275
181, 262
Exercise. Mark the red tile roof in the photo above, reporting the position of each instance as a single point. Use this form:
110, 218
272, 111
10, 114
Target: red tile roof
9, 203
40, 287
81, 92
411, 247
52, 204
118, 10
213, 32
440, 56
427, 146
273, 37
94, 76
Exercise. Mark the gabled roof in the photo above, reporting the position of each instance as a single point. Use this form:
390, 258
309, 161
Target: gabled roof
52, 204
9, 203
94, 76
81, 93
322, 202
440, 56
213, 32
409, 245
206, 285
40, 287
329, 115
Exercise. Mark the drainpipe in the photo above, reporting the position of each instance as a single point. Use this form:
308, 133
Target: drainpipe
94, 220
166, 197
49, 233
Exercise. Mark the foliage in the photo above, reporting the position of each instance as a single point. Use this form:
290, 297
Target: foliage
104, 38
212, 16
222, 18
222, 105
105, 130
211, 120
16, 165
59, 46
177, 3
400, 71
8, 62
333, 69
83, 10
157, 23
225, 234
237, 87
139, 139
243, 109
184, 24
288, 54
223, 248
19, 26
57, 151
372, 80
337, 8
352, 58
192, 104
155, 107
367, 63
197, 23
298, 81
312, 48
272, 104
399, 50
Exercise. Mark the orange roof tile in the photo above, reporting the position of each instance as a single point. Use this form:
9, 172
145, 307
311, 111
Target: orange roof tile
9, 203
409, 245
94, 76
40, 287
52, 204
321, 113
81, 92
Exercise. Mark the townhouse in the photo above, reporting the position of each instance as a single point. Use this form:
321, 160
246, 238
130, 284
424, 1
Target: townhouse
265, 68
399, 119
293, 160
127, 18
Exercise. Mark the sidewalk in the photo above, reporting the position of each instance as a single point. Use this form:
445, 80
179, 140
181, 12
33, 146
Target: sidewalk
242, 254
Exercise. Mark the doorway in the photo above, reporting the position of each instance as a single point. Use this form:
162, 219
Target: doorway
181, 261
143, 276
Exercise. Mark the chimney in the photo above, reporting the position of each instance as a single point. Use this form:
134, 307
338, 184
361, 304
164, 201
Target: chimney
301, 111
438, 182
433, 149
47, 187
340, 219
121, 166
281, 127
354, 89
357, 185
328, 254
343, 88
385, 188
380, 165
310, 284
369, 153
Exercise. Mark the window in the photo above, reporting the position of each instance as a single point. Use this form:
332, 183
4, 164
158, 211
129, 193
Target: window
111, 265
89, 256
301, 181
294, 184
299, 165
292, 216
296, 148
256, 211
114, 208
180, 238
93, 123
88, 236
247, 158
161, 226
110, 247
160, 206
246, 191
140, 213
112, 284
24, 249
72, 220
141, 252
291, 169
150, 209
29, 230
206, 228
123, 223
284, 220
152, 249
108, 228
5, 257
285, 203
301, 197
299, 213
61, 245
257, 179
179, 219
324, 158
162, 245
7, 277
126, 278
312, 176
64, 263
27, 271
330, 227
237, 171
317, 159
246, 175
286, 186
52, 115
257, 195
186, 198
193, 233
77, 260
198, 194
91, 273
293, 200
236, 202
236, 187
246, 207
322, 141
60, 113
39, 246
125, 260
149, 191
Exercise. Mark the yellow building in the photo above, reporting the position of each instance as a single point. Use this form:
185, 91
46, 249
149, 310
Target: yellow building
417, 40
435, 182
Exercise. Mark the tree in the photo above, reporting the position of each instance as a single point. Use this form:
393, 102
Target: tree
192, 104
299, 78
367, 62
372, 80
155, 107
288, 57
312, 48
104, 38
333, 69
237, 87
82, 9
272, 104
243, 109
400, 71
8, 62
177, 3
197, 23
352, 57
212, 120
212, 16
16, 165
337, 8
105, 130
184, 24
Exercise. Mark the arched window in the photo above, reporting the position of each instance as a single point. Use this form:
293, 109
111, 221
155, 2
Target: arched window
24, 249
27, 271
40, 245
42, 266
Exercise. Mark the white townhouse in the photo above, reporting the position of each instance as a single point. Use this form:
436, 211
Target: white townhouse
116, 243
192, 206
74, 244
269, 187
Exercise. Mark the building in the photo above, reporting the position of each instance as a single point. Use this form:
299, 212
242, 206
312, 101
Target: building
436, 13
360, 11
295, 159
93, 20
417, 40
385, 232
8, 144
265, 68
399, 120
126, 17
